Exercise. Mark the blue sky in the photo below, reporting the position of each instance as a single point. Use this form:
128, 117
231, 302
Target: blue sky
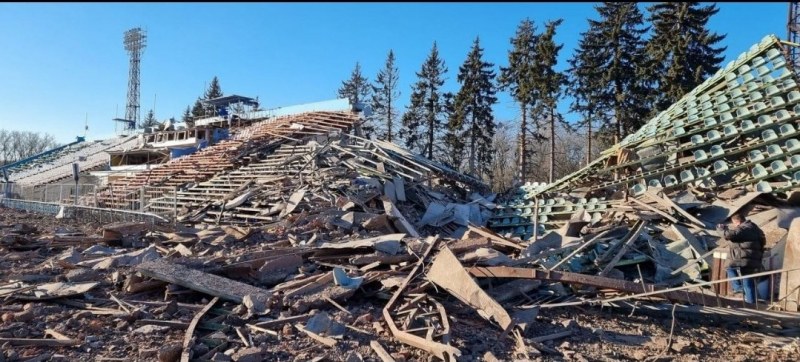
59, 62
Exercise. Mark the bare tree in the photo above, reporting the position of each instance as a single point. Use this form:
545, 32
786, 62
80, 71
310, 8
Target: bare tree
569, 155
503, 164
17, 145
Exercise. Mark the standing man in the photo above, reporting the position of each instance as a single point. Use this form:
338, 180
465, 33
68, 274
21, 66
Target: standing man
747, 250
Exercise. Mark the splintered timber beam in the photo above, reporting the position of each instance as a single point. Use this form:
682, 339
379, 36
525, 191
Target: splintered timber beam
437, 349
210, 284
187, 338
601, 282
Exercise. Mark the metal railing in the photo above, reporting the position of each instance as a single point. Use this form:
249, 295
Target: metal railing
70, 194
81, 201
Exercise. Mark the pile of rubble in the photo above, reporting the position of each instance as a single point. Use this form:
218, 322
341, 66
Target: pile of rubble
145, 292
310, 243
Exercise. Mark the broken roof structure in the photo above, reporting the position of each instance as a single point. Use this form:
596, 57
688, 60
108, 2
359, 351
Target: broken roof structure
739, 128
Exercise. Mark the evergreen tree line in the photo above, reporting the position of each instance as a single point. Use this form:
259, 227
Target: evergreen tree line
192, 112
625, 69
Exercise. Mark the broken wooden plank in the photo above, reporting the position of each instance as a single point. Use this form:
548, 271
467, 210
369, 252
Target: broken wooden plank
440, 350
337, 305
55, 334
551, 337
601, 282
210, 284
328, 341
653, 209
632, 237
583, 246
118, 231
671, 204
447, 272
380, 351
402, 222
42, 342
279, 322
56, 290
294, 200
262, 330
497, 239
187, 338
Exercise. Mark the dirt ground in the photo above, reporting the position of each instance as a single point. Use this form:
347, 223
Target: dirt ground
107, 332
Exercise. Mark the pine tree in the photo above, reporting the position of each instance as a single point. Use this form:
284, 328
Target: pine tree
187, 117
473, 121
518, 79
187, 114
384, 98
149, 120
214, 90
548, 84
454, 144
614, 44
357, 90
426, 115
682, 49
198, 110
585, 86
412, 122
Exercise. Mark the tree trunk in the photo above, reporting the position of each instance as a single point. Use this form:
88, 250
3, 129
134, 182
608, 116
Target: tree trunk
431, 122
389, 119
618, 130
472, 137
523, 174
589, 139
552, 145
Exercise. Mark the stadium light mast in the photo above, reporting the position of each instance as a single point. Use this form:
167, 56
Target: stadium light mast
134, 41
793, 30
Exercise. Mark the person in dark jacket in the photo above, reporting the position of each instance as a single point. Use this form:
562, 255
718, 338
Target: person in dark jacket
746, 253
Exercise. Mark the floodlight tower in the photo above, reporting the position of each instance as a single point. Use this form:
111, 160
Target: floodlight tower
793, 29
134, 41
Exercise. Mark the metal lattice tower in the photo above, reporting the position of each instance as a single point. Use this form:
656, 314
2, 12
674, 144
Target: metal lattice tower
793, 29
134, 41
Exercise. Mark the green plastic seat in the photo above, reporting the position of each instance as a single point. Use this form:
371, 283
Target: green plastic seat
794, 161
720, 166
787, 129
730, 130
699, 155
747, 125
774, 150
777, 102
759, 171
755, 156
763, 186
686, 176
792, 145
778, 166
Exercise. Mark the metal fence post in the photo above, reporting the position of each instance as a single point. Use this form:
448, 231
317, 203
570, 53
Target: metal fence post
175, 206
141, 198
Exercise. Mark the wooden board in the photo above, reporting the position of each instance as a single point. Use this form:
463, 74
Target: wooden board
210, 284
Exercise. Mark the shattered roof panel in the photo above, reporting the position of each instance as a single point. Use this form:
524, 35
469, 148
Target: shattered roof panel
737, 129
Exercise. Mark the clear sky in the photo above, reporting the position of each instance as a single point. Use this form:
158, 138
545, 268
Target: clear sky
60, 62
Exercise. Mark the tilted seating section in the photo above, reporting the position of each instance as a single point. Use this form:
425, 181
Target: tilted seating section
92, 156
204, 164
738, 128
